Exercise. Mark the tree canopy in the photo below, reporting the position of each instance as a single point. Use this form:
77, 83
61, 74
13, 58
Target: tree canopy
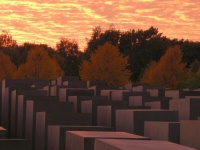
70, 56
7, 68
106, 64
39, 65
141, 47
169, 71
6, 40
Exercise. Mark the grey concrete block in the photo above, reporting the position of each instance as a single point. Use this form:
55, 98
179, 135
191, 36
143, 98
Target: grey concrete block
94, 83
188, 108
65, 92
118, 95
98, 88
54, 90
15, 144
14, 106
21, 109
62, 79
44, 119
154, 91
162, 104
190, 133
48, 104
165, 131
71, 82
3, 133
124, 144
85, 140
57, 134
106, 114
90, 106
179, 94
8, 86
76, 100
132, 121
138, 98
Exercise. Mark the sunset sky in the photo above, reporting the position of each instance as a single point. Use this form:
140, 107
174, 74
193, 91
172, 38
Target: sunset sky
46, 21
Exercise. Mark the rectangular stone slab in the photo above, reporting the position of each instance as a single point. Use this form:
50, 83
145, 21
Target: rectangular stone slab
84, 140
190, 133
124, 144
6, 106
65, 92
76, 100
15, 144
165, 131
106, 114
8, 86
62, 79
57, 134
21, 109
162, 104
3, 133
179, 94
101, 86
14, 106
188, 108
90, 106
132, 120
135, 98
48, 104
44, 119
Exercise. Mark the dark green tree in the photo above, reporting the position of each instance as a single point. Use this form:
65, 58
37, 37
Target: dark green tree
142, 46
100, 37
69, 53
191, 51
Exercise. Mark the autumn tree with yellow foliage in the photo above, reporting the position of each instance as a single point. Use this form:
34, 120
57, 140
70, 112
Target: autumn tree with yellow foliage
7, 68
39, 65
169, 71
106, 64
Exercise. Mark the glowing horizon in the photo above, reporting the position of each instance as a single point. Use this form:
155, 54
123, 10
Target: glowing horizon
46, 21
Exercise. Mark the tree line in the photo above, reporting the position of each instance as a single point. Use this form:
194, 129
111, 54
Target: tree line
142, 49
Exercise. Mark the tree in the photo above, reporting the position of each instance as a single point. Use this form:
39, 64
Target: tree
39, 65
100, 37
94, 41
6, 40
191, 51
169, 71
7, 68
193, 81
69, 51
106, 65
195, 66
147, 75
141, 47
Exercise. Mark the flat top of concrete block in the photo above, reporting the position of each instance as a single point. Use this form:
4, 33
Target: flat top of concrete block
1, 129
15, 140
162, 122
69, 126
105, 134
125, 144
190, 121
145, 110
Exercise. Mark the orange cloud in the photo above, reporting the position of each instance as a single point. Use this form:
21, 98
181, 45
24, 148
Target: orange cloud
46, 21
